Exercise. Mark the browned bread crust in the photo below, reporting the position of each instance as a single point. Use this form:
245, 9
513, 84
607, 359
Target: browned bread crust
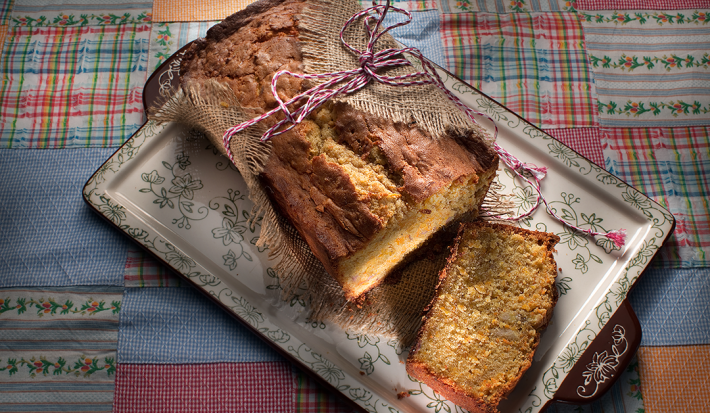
477, 394
342, 176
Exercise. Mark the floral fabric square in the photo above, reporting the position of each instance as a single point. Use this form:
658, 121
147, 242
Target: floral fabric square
54, 13
59, 348
651, 68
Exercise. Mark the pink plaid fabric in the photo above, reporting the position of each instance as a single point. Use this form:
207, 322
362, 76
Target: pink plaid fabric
312, 398
193, 388
142, 270
641, 4
586, 141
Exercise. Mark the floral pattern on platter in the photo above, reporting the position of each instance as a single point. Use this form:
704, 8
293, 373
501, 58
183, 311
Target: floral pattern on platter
83, 367
604, 365
180, 193
50, 306
234, 226
367, 361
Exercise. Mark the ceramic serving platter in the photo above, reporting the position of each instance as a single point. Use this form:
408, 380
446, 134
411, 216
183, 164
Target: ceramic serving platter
170, 190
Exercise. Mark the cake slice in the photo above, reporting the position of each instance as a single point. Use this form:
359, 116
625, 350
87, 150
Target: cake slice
361, 190
495, 297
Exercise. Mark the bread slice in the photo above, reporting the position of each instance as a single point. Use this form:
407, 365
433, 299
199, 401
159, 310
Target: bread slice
494, 299
362, 191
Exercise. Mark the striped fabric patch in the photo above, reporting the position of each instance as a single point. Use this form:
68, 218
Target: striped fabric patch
641, 4
672, 306
585, 141
651, 68
195, 10
311, 397
58, 348
142, 270
5, 9
533, 63
72, 87
48, 236
3, 33
33, 13
675, 378
180, 325
669, 165
168, 38
506, 6
218, 387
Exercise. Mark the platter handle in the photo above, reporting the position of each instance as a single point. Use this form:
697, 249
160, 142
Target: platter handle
606, 358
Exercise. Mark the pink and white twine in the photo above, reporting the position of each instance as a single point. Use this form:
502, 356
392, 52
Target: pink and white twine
356, 79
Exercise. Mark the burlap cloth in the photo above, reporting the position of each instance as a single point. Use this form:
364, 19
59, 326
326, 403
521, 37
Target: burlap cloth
394, 308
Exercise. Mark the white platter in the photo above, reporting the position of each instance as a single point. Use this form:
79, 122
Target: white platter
174, 195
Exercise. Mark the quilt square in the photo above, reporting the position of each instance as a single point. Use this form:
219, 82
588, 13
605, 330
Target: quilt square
651, 68
72, 86
533, 63
669, 165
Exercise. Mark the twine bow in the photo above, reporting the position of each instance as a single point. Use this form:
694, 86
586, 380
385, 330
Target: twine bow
371, 62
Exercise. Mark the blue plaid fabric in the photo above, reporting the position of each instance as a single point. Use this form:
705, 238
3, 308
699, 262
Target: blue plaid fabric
48, 236
422, 32
672, 306
180, 325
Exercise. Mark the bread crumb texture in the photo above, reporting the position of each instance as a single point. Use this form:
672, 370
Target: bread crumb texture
485, 323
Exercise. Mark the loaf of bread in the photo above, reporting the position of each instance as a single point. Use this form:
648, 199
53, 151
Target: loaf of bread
495, 297
361, 190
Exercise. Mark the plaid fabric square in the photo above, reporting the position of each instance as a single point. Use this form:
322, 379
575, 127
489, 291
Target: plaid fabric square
180, 325
72, 87
142, 270
675, 378
533, 63
641, 4
651, 68
220, 387
670, 165
506, 6
48, 236
585, 141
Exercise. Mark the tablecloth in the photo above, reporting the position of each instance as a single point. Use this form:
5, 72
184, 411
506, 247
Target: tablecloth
88, 322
